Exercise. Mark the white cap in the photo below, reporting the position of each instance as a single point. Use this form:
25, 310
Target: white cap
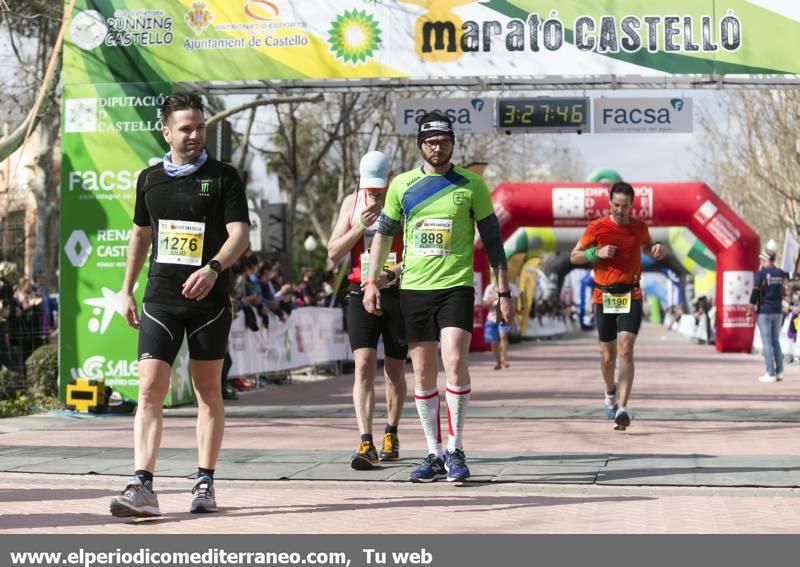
771, 246
374, 171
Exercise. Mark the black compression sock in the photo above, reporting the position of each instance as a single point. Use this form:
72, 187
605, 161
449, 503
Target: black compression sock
205, 472
143, 475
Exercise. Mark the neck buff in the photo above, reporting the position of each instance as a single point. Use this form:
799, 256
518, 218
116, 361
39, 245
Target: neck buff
174, 170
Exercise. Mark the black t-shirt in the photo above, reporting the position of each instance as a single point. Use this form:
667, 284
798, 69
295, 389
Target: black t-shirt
201, 203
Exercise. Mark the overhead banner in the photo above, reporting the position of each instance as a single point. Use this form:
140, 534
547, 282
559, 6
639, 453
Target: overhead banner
469, 115
112, 41
643, 115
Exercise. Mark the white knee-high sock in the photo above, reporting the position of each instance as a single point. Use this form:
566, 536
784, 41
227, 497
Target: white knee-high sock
457, 400
428, 410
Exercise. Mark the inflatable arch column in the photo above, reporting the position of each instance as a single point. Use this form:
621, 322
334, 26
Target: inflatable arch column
693, 205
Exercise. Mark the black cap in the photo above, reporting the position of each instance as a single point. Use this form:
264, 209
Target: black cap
434, 124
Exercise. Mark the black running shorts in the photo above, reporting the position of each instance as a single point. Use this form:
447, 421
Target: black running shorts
364, 329
426, 313
163, 327
609, 325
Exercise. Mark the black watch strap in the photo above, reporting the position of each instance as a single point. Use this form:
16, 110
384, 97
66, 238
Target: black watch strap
390, 275
504, 294
215, 266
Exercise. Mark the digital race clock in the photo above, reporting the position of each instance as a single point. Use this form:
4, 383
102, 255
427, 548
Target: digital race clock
544, 114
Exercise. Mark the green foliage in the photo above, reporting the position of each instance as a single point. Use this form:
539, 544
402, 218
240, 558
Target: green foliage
42, 370
21, 404
16, 406
10, 383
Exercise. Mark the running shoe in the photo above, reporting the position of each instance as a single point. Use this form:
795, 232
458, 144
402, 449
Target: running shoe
622, 419
610, 405
767, 379
430, 469
391, 447
456, 465
365, 457
204, 500
137, 500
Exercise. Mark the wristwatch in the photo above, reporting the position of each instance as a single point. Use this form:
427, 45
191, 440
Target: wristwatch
504, 294
215, 267
390, 275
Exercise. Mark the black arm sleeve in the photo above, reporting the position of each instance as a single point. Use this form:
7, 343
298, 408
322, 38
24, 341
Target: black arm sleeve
387, 226
492, 241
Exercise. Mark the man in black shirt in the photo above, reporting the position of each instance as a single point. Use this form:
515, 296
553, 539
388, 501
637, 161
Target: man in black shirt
192, 210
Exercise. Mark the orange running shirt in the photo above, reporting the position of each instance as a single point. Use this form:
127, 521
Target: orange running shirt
626, 265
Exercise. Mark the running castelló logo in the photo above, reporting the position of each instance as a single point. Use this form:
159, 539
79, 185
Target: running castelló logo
437, 33
354, 36
198, 17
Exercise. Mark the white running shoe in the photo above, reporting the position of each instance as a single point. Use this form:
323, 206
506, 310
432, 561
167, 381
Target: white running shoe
610, 405
767, 379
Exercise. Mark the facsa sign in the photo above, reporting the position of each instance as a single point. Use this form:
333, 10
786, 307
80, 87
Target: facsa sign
469, 115
643, 116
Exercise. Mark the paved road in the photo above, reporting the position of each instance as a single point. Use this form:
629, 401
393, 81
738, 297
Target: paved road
711, 450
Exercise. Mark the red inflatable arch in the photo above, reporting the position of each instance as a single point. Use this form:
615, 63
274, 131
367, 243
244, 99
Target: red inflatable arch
693, 205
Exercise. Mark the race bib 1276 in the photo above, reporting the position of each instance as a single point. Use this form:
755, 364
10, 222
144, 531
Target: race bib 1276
180, 242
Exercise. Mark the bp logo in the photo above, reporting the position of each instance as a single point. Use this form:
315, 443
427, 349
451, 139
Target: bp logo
459, 198
205, 185
354, 36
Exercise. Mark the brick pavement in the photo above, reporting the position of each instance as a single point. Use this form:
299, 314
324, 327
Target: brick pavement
710, 450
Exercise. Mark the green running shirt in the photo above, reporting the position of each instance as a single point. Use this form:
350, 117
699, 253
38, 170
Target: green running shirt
439, 214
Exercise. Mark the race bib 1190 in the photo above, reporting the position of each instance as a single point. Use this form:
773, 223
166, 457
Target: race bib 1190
616, 303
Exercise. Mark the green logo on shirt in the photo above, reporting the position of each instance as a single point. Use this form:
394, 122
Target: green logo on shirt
204, 186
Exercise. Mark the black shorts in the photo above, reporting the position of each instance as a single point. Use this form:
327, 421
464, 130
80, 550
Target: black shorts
609, 325
364, 329
426, 313
206, 327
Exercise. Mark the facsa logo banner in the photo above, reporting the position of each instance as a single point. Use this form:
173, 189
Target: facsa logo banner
643, 116
469, 115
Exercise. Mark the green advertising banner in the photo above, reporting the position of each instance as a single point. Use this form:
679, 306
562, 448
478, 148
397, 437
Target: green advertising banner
112, 41
110, 133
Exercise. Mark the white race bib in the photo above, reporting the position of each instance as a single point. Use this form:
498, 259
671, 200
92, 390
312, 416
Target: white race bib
180, 242
391, 262
615, 303
432, 237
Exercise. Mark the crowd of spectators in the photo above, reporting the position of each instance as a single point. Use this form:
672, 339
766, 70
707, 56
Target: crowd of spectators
27, 317
259, 287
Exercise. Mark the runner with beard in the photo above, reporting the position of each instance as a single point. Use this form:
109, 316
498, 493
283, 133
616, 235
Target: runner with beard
613, 245
438, 205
